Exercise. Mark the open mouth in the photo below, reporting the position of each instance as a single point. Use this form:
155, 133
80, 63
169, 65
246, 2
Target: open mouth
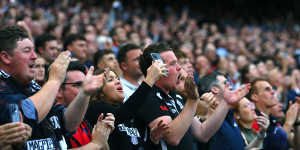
120, 89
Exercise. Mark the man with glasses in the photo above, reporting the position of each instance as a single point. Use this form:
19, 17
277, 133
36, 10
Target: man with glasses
67, 93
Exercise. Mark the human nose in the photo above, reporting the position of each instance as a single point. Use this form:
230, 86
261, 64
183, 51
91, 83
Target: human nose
33, 55
178, 68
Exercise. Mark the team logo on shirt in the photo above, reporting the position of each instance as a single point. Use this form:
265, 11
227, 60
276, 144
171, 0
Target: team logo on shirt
54, 121
164, 108
132, 132
42, 144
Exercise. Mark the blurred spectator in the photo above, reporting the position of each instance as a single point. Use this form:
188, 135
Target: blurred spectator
77, 45
40, 70
106, 58
47, 47
128, 58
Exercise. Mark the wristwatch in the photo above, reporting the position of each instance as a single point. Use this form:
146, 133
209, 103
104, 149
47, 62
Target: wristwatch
261, 135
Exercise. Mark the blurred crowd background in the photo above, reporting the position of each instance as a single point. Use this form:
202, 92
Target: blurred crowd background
243, 39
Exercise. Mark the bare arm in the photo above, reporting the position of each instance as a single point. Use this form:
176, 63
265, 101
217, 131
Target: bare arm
77, 109
179, 126
203, 132
44, 98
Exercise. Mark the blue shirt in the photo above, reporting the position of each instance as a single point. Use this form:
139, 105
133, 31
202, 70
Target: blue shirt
229, 135
47, 134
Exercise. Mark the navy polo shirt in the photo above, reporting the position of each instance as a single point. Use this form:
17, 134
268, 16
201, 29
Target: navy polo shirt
229, 135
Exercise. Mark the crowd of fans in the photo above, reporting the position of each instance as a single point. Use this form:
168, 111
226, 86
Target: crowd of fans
83, 77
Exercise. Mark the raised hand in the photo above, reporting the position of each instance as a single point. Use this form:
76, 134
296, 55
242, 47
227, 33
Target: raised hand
14, 133
155, 72
263, 123
291, 114
233, 96
102, 129
210, 99
92, 83
158, 131
59, 67
190, 89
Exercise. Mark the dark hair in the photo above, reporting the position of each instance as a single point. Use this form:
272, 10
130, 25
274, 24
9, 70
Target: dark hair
180, 54
145, 60
124, 49
41, 40
71, 38
9, 37
75, 66
66, 30
253, 89
244, 71
208, 81
99, 55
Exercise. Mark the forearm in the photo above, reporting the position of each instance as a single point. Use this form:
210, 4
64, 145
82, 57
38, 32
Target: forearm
179, 126
76, 110
93, 146
287, 128
203, 132
43, 100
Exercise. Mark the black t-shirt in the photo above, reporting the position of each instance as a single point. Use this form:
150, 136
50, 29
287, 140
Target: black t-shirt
127, 133
159, 104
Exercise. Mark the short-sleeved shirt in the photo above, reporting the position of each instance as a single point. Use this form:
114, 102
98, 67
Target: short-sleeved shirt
48, 134
229, 135
160, 104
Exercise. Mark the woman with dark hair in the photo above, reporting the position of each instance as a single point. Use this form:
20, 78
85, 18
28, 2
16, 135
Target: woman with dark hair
127, 134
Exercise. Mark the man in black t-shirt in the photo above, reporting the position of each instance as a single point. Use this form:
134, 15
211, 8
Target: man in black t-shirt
168, 107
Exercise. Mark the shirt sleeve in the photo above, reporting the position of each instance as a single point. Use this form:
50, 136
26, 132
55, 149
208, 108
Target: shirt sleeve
129, 109
29, 111
152, 109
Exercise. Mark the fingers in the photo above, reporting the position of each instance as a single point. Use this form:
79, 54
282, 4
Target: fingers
13, 128
161, 67
17, 134
100, 118
263, 122
109, 121
90, 72
9, 125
